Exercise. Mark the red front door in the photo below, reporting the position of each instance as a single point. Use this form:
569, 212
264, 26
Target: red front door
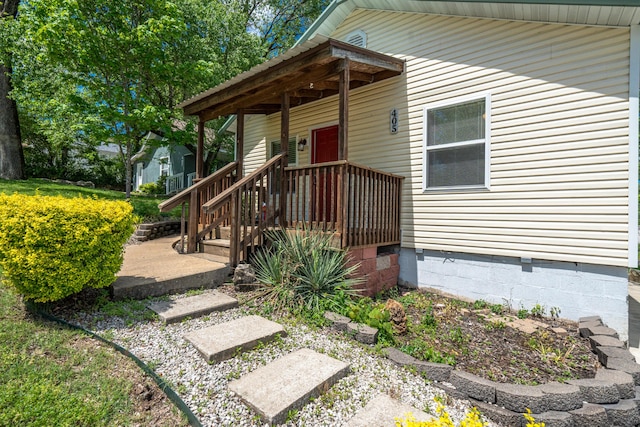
324, 146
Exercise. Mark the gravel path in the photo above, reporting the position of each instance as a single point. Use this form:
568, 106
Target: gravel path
203, 386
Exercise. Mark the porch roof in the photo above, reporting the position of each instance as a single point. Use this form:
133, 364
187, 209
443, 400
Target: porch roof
308, 72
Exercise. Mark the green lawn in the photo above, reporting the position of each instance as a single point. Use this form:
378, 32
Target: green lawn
143, 206
53, 376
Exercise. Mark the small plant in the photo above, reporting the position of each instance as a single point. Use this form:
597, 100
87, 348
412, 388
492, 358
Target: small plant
538, 310
554, 312
531, 422
523, 313
456, 335
496, 308
495, 325
423, 351
480, 304
471, 419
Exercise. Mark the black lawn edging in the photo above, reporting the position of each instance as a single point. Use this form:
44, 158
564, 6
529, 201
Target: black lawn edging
162, 384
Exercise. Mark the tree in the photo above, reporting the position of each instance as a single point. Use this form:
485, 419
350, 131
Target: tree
11, 156
99, 71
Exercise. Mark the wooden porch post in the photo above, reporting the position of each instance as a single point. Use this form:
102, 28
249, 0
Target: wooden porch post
284, 147
343, 132
343, 118
200, 151
240, 143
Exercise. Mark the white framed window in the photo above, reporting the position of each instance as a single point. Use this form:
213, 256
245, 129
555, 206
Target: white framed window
164, 166
457, 148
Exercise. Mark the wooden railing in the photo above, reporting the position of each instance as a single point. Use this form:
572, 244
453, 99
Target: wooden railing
253, 205
360, 204
201, 223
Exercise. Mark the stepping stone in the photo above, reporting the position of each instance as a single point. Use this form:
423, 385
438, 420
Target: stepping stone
221, 342
382, 411
288, 383
192, 307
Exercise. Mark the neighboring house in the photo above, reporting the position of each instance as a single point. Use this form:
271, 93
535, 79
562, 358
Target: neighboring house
513, 123
108, 150
154, 161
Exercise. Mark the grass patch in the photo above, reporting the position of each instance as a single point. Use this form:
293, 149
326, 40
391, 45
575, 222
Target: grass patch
51, 375
143, 206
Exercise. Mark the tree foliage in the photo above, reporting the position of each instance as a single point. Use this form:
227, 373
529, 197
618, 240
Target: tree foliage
95, 71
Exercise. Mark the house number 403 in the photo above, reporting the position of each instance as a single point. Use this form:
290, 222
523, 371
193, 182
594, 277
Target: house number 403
393, 121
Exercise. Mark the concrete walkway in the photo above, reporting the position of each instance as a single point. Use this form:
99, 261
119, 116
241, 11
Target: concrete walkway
154, 268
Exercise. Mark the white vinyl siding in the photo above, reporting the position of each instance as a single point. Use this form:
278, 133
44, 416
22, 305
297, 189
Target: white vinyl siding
559, 132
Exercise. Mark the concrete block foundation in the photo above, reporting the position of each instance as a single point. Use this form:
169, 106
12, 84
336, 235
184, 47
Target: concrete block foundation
577, 289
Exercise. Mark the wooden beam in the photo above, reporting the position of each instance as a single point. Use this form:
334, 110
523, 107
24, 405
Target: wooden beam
240, 142
200, 150
343, 114
360, 76
296, 81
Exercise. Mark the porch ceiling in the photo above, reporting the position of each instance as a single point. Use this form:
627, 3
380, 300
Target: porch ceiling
308, 72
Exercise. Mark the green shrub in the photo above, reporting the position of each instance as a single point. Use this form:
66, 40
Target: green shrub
53, 247
302, 271
150, 188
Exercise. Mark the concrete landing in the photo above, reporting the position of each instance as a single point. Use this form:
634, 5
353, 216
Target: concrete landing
220, 342
382, 410
153, 268
288, 383
192, 307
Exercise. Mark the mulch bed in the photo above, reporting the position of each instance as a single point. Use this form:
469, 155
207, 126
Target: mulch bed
481, 343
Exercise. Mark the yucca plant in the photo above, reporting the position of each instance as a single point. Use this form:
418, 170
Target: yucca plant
302, 270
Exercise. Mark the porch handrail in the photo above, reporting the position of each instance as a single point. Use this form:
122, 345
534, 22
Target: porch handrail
185, 195
344, 162
252, 206
218, 201
194, 197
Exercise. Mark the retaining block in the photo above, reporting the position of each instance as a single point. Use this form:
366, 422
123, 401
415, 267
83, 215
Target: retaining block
605, 341
603, 330
590, 319
433, 371
498, 414
562, 397
338, 322
363, 333
590, 416
624, 413
622, 380
554, 419
518, 398
604, 353
474, 386
584, 328
597, 391
625, 365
